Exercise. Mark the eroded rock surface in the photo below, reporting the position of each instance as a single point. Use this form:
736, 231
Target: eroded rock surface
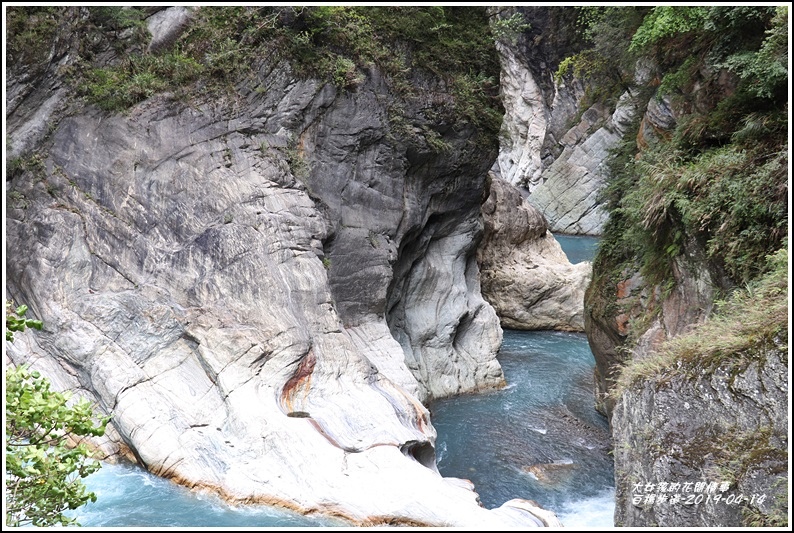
525, 274
538, 111
725, 433
553, 147
569, 194
262, 291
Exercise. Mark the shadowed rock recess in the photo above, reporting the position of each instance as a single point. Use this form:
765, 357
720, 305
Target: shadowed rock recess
261, 289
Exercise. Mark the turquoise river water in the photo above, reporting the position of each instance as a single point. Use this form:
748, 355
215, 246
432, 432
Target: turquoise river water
539, 438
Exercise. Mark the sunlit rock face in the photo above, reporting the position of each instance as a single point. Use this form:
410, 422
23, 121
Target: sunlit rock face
570, 193
262, 292
525, 274
538, 110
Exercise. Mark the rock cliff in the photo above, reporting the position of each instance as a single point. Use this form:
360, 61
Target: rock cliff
613, 305
721, 437
549, 148
686, 313
569, 194
712, 428
525, 275
538, 111
262, 288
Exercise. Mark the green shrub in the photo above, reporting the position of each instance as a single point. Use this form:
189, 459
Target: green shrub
765, 71
43, 471
509, 28
606, 64
30, 33
139, 78
743, 328
116, 18
43, 467
335, 44
665, 22
720, 181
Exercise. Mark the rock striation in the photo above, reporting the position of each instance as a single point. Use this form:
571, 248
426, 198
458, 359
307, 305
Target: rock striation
525, 275
569, 193
553, 146
538, 111
261, 289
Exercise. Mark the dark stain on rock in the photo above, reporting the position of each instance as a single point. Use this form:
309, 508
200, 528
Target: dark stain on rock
300, 380
320, 427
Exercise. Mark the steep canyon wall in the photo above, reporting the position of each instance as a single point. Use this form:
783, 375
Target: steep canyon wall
678, 101
262, 288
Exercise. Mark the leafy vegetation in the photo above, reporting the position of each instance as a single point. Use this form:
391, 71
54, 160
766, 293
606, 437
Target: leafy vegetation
509, 28
140, 78
744, 327
665, 22
732, 199
33, 163
31, 31
337, 44
720, 181
44, 467
765, 71
37, 35
605, 65
117, 19
711, 193
16, 321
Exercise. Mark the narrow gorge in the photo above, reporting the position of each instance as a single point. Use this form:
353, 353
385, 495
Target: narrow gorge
266, 239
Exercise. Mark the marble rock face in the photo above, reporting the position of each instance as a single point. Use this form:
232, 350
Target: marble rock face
551, 148
261, 291
525, 275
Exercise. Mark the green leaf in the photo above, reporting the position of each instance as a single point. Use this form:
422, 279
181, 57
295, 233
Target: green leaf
43, 471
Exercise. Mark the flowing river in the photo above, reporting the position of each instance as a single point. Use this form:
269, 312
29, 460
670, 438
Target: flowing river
539, 438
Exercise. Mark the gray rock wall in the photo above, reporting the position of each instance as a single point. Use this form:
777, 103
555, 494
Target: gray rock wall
569, 193
525, 274
262, 290
688, 423
550, 149
402, 246
720, 436
538, 111
610, 309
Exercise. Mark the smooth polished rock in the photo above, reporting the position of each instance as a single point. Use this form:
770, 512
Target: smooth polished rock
525, 275
262, 293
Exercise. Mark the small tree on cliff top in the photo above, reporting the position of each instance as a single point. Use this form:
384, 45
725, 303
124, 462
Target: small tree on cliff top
43, 467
